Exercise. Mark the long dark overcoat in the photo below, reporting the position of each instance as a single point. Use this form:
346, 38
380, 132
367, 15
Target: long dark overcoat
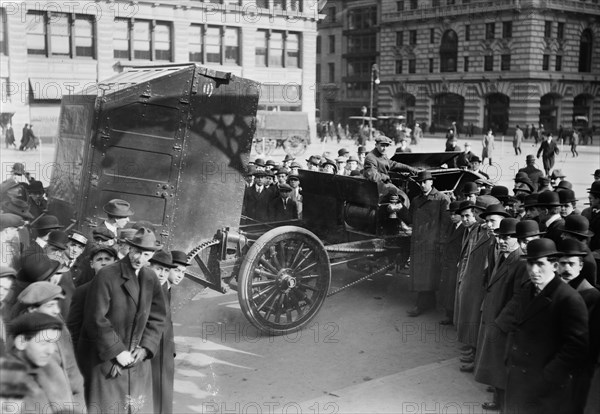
451, 245
256, 205
547, 342
505, 280
123, 311
425, 215
163, 364
470, 289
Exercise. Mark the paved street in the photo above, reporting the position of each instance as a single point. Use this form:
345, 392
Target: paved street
361, 354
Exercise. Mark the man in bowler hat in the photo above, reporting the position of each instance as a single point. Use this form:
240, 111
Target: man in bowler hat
547, 327
551, 222
577, 228
121, 331
592, 213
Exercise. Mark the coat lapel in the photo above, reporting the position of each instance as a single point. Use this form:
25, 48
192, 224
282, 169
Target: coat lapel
506, 266
540, 302
130, 284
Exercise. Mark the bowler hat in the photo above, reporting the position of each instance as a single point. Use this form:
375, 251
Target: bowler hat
500, 192
530, 158
566, 196
383, 140
37, 267
118, 208
508, 227
145, 239
32, 323
251, 171
285, 187
486, 200
97, 248
180, 258
595, 188
453, 206
18, 168
423, 175
126, 234
58, 239
7, 271
494, 209
571, 247
578, 225
288, 157
271, 164
564, 185
259, 162
523, 187
355, 173
47, 222
521, 176
597, 173
10, 220
342, 152
536, 249
470, 188
18, 207
38, 293
530, 200
527, 228
103, 234
164, 258
362, 150
78, 237
466, 204
35, 187
475, 158
557, 174
548, 199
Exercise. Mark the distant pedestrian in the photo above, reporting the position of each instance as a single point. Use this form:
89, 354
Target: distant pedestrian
534, 134
526, 132
417, 135
488, 146
24, 137
548, 150
9, 136
518, 138
573, 139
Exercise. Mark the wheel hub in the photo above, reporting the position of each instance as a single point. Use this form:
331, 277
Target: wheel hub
286, 280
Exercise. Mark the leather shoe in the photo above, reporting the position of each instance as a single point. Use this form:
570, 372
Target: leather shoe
491, 406
445, 322
467, 359
467, 367
416, 311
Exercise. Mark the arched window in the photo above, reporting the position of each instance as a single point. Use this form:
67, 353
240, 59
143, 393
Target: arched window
449, 51
585, 51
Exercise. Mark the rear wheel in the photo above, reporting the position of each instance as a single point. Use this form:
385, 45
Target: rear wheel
295, 146
283, 280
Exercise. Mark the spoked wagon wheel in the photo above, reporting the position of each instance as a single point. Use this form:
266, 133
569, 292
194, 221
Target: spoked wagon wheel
284, 280
264, 145
295, 146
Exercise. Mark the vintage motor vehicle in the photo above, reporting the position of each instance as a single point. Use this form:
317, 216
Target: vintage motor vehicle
174, 141
281, 129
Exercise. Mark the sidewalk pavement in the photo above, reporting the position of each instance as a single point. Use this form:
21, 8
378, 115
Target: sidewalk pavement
433, 388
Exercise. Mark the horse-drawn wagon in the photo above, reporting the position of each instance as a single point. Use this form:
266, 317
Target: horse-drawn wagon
174, 141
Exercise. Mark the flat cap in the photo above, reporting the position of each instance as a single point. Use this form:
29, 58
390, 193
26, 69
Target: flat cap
102, 233
38, 293
33, 322
100, 248
285, 187
78, 237
382, 139
10, 220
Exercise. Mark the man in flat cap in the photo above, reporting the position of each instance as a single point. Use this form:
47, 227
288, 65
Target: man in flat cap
122, 329
118, 213
283, 207
551, 222
378, 165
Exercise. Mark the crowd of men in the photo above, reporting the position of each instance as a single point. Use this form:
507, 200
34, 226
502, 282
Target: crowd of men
85, 321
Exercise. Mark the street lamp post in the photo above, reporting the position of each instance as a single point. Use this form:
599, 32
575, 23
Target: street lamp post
374, 81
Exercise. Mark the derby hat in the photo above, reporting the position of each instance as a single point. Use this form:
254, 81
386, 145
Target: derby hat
557, 174
33, 322
18, 207
7, 271
288, 157
521, 176
494, 209
467, 204
38, 293
527, 228
342, 152
530, 200
475, 158
500, 192
383, 140
163, 258
362, 150
596, 173
566, 196
485, 200
423, 176
259, 162
97, 248
78, 237
37, 267
271, 163
329, 161
58, 239
250, 171
453, 206
47, 222
18, 168
180, 258
536, 249
508, 227
564, 185
10, 220
118, 208
145, 239
548, 199
530, 158
36, 187
578, 225
103, 234
470, 188
571, 247
355, 173
595, 188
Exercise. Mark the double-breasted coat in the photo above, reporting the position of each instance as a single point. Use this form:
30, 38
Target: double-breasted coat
450, 243
471, 272
124, 311
547, 342
163, 364
425, 215
505, 280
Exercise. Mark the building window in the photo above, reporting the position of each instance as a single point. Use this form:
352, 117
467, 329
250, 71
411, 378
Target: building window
361, 44
467, 32
162, 42
292, 50
278, 4
414, 4
232, 46
142, 39
450, 2
332, 15
558, 63
3, 33
196, 43
318, 73
435, 3
399, 64
449, 51
276, 49
121, 34
263, 4
332, 44
399, 38
585, 51
505, 62
59, 34
360, 68
547, 30
466, 64
271, 48
331, 67
318, 45
490, 31
488, 63
431, 35
296, 5
412, 37
545, 62
430, 65
506, 30
84, 36
412, 65
362, 18
560, 31
400, 6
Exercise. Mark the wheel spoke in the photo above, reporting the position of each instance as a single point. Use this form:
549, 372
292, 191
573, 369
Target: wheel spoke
268, 265
271, 306
305, 258
305, 277
308, 287
282, 259
274, 257
263, 283
263, 272
262, 293
268, 299
297, 255
306, 268
279, 308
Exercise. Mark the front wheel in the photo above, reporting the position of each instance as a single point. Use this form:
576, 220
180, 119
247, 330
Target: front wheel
284, 280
